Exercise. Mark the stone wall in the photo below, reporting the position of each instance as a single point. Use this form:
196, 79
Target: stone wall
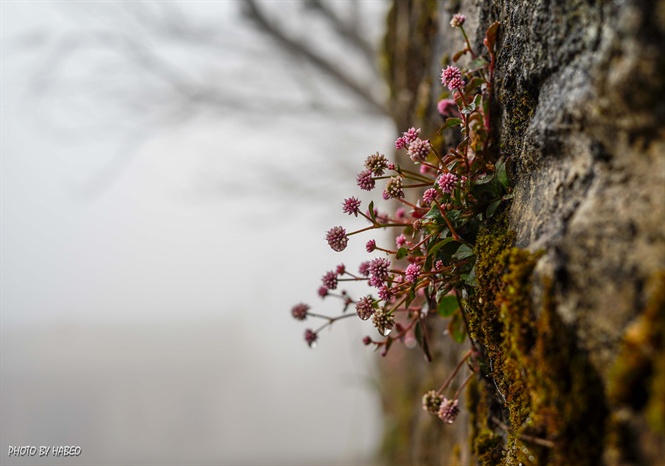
580, 112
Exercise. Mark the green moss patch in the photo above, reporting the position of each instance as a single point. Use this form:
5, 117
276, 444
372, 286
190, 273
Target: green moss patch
536, 380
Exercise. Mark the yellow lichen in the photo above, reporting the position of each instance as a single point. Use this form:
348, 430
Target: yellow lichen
542, 383
637, 379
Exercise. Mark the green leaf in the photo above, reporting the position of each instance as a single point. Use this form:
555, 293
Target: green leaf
492, 208
433, 212
371, 211
471, 278
487, 189
474, 84
484, 179
450, 122
447, 306
469, 108
457, 195
463, 252
401, 253
432, 252
410, 297
417, 252
491, 36
477, 64
501, 174
456, 328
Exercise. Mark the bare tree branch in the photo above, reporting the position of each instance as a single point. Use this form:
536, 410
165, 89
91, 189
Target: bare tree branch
254, 13
346, 30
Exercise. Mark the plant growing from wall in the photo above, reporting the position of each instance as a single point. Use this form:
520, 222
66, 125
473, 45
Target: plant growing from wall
430, 271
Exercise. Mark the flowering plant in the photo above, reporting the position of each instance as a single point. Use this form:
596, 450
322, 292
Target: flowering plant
431, 269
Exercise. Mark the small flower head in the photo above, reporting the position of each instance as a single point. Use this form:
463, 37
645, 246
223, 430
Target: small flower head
337, 239
379, 268
419, 149
351, 206
367, 340
395, 188
376, 163
400, 143
299, 311
455, 84
330, 280
365, 307
446, 107
411, 135
311, 337
457, 20
383, 321
432, 402
400, 240
364, 267
447, 182
438, 265
411, 273
400, 213
448, 410
323, 291
375, 281
385, 293
340, 270
429, 196
449, 73
365, 180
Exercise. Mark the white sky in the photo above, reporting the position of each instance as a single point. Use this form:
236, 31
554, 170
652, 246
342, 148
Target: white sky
169, 252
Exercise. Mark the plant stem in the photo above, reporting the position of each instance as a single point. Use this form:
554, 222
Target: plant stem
468, 44
455, 371
461, 387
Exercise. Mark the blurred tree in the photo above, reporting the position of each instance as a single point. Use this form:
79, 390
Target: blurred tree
130, 70
165, 62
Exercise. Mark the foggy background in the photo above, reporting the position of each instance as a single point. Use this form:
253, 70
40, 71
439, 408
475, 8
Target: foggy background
168, 175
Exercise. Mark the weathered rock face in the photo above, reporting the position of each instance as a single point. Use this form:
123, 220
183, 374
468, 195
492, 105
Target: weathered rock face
580, 111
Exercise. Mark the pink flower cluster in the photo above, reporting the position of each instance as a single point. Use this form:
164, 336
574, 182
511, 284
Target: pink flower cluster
418, 150
448, 410
411, 273
447, 182
337, 239
366, 180
446, 107
451, 77
378, 271
429, 196
351, 206
376, 163
458, 20
365, 307
329, 280
394, 188
299, 311
407, 138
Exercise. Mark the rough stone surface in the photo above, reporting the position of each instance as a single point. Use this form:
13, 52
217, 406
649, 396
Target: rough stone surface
580, 111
